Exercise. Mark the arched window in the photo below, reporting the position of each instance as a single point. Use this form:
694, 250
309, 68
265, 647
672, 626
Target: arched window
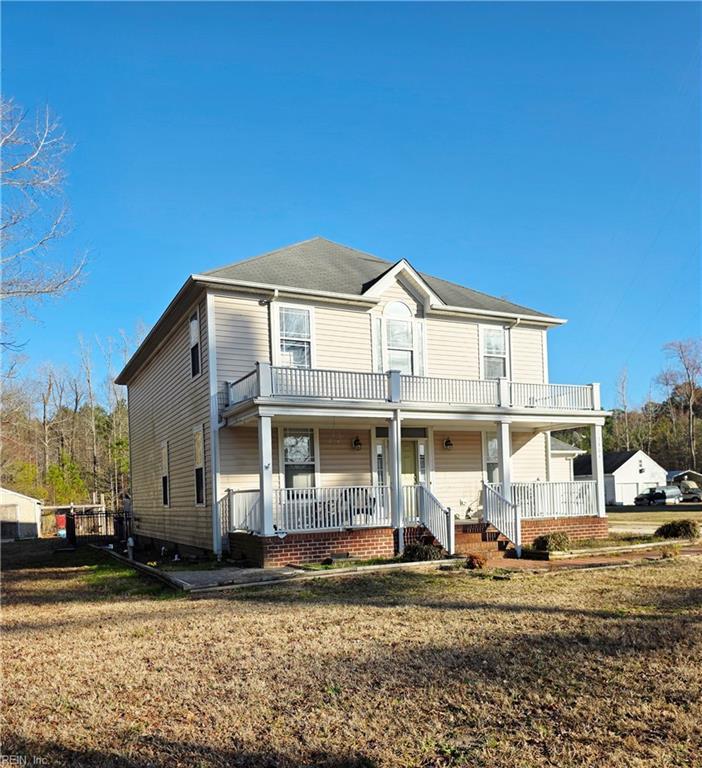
399, 337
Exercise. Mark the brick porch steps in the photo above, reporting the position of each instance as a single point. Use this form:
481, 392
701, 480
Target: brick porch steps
478, 537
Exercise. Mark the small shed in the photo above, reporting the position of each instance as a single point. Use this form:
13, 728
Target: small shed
626, 474
562, 455
20, 515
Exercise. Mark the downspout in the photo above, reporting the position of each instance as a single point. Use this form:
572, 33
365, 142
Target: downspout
215, 424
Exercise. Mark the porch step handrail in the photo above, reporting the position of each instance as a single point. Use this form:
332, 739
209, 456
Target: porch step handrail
329, 509
503, 515
437, 518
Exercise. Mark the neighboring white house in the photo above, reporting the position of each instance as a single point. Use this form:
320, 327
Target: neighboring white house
627, 473
20, 515
560, 468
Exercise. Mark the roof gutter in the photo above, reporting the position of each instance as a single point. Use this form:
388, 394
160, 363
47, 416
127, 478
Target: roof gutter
515, 317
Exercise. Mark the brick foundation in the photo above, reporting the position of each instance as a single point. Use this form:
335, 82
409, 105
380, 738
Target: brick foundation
299, 548
576, 527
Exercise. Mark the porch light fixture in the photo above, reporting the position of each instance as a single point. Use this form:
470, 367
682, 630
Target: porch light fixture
448, 444
357, 444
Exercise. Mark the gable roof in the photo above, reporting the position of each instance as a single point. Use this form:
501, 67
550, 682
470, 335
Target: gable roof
582, 465
558, 445
322, 265
328, 270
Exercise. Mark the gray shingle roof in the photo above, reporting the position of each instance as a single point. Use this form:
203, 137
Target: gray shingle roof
322, 265
582, 465
561, 445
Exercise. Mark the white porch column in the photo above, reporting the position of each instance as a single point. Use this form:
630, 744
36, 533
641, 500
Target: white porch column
598, 467
504, 457
265, 471
395, 438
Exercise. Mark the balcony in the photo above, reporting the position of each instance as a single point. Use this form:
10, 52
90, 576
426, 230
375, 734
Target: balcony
268, 381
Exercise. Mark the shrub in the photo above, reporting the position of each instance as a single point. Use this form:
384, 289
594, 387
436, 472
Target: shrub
679, 529
419, 552
552, 542
669, 551
475, 561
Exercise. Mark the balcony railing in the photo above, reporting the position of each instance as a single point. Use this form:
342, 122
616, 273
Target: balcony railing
307, 383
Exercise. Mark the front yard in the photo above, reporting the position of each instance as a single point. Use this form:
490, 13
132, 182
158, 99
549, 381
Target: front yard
599, 668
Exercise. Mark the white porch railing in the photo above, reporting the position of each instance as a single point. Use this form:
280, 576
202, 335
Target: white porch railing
561, 396
245, 388
422, 389
503, 515
336, 385
576, 498
319, 509
240, 511
279, 381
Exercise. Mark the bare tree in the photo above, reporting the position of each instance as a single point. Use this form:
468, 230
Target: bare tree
33, 215
87, 364
685, 378
622, 394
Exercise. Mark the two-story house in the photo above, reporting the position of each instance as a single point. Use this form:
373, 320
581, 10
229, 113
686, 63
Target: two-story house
318, 399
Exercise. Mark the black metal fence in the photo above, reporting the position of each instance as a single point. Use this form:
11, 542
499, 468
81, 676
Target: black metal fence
92, 523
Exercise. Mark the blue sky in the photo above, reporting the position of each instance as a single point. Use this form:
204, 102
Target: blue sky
548, 153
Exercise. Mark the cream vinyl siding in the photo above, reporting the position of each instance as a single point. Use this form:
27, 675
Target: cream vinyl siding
458, 473
241, 336
528, 457
165, 403
452, 348
342, 339
527, 354
339, 463
238, 459
398, 291
561, 468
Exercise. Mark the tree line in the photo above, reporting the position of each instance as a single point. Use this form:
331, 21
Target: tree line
65, 434
668, 428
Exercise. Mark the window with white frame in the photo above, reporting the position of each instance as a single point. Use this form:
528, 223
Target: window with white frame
194, 344
295, 337
399, 337
492, 462
299, 458
165, 483
494, 352
199, 451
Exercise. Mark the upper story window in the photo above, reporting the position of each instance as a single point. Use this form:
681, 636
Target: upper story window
295, 337
494, 352
195, 344
399, 337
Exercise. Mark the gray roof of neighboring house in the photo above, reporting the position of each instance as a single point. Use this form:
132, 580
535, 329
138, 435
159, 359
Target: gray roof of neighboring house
582, 465
321, 265
561, 445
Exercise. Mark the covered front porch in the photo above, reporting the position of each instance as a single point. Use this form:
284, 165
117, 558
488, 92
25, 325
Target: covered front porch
301, 471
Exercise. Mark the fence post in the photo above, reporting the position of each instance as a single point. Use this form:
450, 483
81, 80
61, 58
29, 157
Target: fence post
265, 379
394, 386
450, 532
518, 530
230, 508
503, 394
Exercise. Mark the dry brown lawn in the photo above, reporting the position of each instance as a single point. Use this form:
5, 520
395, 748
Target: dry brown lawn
598, 668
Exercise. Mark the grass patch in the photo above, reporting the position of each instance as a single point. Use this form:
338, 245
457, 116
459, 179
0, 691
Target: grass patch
615, 540
384, 670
